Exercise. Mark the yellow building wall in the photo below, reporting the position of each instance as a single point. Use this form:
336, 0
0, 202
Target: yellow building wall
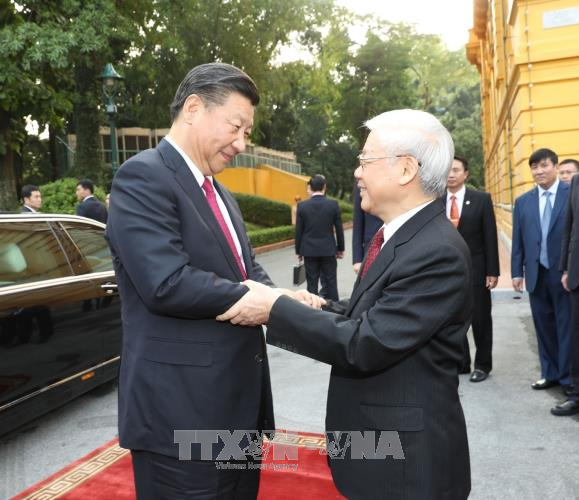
527, 54
265, 181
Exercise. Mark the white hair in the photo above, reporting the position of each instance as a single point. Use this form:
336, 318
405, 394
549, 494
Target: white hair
419, 134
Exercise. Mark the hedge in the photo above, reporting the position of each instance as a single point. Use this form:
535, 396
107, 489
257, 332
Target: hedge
59, 197
270, 235
262, 211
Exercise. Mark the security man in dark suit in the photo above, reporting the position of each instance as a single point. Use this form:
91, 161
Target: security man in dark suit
316, 220
364, 228
538, 220
570, 281
471, 212
89, 206
32, 199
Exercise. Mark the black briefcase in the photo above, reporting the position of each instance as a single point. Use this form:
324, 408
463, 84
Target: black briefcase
299, 273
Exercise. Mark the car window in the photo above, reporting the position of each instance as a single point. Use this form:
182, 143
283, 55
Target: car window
29, 252
92, 244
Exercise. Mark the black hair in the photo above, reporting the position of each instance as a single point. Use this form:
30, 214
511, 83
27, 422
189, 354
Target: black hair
317, 183
28, 190
213, 83
463, 161
86, 184
543, 154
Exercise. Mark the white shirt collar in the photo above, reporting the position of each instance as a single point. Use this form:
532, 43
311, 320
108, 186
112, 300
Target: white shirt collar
459, 194
552, 189
30, 208
199, 177
89, 196
398, 222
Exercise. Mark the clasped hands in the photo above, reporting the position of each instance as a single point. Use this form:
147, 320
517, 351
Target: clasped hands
255, 306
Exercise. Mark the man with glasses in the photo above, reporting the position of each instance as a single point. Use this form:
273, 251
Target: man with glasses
538, 221
396, 345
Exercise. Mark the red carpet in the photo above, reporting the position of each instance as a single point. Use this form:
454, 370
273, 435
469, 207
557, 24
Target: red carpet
106, 473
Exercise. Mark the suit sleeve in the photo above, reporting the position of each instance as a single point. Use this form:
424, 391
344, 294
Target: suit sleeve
517, 248
490, 238
339, 228
81, 210
299, 229
357, 229
411, 310
144, 232
564, 262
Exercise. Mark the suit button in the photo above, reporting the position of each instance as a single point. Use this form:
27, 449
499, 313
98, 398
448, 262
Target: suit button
259, 358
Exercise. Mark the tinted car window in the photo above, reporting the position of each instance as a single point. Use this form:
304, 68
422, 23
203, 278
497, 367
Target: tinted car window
28, 253
92, 244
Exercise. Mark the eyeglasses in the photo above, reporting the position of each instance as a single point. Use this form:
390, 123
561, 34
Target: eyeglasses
364, 161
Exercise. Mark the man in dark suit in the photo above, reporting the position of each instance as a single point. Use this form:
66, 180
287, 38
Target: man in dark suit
364, 228
315, 242
538, 220
396, 346
471, 212
89, 206
180, 251
568, 169
32, 199
569, 265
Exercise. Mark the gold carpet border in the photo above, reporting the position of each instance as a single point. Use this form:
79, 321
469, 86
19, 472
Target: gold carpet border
79, 474
84, 471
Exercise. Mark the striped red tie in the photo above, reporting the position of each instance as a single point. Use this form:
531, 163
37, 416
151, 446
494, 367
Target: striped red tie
212, 200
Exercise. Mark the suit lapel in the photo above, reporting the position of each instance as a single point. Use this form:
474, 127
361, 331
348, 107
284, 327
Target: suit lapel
238, 225
467, 207
388, 252
560, 202
535, 212
188, 183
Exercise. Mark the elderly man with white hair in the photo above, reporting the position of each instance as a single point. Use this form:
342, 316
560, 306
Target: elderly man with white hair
395, 425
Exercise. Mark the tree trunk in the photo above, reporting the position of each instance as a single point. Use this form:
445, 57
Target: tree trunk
88, 162
8, 168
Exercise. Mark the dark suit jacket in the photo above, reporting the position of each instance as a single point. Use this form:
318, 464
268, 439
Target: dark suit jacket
316, 220
478, 227
180, 368
570, 240
93, 209
363, 230
25, 210
526, 245
395, 354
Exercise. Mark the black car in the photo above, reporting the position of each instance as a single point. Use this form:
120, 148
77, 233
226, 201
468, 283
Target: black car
60, 318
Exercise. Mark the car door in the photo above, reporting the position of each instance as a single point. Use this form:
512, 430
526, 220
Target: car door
90, 255
46, 337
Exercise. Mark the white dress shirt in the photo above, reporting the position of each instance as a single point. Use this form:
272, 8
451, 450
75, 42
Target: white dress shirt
395, 224
543, 199
459, 201
200, 178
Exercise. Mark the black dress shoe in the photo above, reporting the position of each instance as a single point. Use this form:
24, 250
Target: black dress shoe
568, 390
566, 408
544, 384
478, 376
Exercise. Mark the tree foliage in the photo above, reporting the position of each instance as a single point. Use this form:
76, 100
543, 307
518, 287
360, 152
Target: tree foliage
52, 53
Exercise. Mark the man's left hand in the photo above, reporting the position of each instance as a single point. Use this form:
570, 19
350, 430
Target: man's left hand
492, 282
339, 255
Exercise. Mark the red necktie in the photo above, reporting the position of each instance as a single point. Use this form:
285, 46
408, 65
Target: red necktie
373, 250
454, 217
212, 200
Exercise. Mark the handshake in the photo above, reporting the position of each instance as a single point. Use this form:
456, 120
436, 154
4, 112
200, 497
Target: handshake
255, 306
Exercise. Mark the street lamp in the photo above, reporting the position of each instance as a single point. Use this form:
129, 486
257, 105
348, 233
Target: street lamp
110, 80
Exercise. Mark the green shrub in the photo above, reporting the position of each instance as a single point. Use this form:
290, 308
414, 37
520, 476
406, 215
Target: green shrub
270, 235
59, 197
347, 216
345, 207
262, 211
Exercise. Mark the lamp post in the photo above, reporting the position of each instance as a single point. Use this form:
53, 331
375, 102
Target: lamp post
110, 81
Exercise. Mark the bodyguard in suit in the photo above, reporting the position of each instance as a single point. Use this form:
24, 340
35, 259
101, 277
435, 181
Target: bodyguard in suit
570, 280
32, 199
315, 242
89, 206
180, 251
538, 221
471, 212
396, 346
364, 228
